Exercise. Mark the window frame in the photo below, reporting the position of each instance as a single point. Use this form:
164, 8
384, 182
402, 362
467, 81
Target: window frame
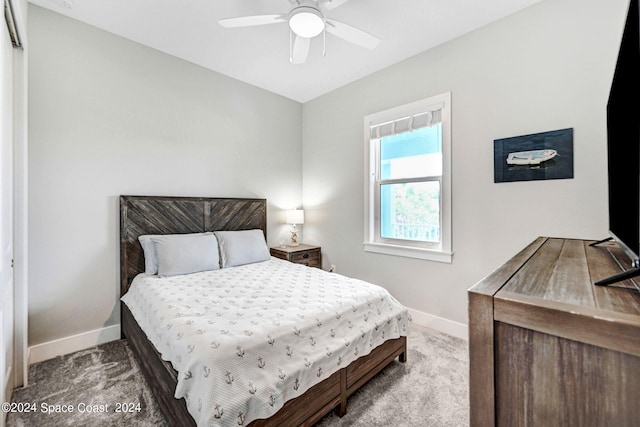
373, 242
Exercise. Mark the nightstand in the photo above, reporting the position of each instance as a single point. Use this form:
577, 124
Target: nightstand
301, 254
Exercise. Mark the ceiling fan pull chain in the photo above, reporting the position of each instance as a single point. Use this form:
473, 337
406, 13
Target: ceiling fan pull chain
324, 40
290, 46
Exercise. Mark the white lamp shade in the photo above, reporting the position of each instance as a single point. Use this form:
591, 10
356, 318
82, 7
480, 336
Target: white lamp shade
295, 216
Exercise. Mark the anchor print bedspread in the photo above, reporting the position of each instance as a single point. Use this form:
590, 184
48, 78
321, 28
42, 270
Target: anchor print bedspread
246, 339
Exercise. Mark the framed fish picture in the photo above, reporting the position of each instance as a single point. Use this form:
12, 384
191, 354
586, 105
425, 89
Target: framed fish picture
538, 156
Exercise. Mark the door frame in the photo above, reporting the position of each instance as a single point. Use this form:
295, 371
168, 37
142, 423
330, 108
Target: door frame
20, 192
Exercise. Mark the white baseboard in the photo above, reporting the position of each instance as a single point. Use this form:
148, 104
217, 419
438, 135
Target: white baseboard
459, 330
60, 347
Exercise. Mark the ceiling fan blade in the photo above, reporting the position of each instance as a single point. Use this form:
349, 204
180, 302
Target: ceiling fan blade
352, 34
328, 5
300, 50
249, 21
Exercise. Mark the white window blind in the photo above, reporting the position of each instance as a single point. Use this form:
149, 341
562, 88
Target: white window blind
427, 118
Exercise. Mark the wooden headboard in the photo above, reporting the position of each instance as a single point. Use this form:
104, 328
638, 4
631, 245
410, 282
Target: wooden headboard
172, 215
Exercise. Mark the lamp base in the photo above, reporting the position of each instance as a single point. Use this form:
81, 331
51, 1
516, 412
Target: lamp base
294, 236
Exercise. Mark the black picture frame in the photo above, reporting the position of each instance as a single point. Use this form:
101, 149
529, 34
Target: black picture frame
536, 156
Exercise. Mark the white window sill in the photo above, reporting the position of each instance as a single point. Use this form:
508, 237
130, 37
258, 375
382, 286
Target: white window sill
409, 252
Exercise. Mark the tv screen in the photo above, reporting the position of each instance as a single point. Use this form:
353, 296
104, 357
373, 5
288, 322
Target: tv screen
623, 140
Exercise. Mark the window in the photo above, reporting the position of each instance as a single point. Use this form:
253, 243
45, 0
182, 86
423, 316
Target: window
408, 182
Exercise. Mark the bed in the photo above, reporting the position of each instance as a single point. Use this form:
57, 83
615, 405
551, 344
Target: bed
155, 215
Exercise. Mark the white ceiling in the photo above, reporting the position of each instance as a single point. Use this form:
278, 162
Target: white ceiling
188, 29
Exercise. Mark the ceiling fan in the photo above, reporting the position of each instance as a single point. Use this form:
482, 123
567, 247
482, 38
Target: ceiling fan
307, 19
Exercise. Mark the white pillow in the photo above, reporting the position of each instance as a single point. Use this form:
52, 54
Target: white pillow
242, 247
173, 254
149, 250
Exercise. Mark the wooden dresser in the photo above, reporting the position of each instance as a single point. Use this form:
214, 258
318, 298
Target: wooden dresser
547, 347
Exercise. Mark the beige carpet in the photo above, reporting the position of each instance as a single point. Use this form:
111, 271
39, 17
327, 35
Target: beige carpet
430, 389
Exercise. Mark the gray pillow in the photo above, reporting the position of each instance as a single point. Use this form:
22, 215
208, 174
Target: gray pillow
242, 247
149, 250
186, 253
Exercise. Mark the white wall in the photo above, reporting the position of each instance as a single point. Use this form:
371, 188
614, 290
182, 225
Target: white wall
109, 117
548, 67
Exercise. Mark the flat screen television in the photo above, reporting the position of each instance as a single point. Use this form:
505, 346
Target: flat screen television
623, 146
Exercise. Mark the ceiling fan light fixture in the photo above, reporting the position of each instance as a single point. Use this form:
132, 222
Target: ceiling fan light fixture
306, 21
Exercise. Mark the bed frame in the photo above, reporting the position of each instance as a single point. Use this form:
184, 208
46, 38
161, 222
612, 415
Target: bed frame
167, 215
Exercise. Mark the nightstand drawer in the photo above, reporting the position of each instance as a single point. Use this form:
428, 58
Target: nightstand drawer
310, 257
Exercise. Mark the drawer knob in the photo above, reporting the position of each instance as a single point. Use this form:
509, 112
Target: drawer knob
305, 255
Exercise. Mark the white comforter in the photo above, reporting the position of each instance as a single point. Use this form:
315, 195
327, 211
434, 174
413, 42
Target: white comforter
246, 339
